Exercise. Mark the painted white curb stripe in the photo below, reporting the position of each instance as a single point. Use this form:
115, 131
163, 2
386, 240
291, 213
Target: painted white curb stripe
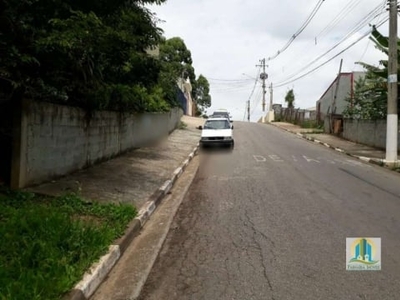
142, 216
364, 158
96, 274
186, 163
150, 208
166, 186
178, 172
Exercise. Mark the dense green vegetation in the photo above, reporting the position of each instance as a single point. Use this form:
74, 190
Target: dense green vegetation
370, 92
91, 54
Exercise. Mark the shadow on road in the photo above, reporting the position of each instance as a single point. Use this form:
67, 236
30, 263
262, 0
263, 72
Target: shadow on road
215, 150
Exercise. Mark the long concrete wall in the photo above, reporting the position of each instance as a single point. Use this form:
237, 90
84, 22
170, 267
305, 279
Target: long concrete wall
367, 132
55, 140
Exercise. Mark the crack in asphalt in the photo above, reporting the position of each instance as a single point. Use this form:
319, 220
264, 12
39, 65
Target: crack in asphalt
230, 243
259, 248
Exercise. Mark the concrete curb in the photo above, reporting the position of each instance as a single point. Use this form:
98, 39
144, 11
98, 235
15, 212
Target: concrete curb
99, 271
375, 161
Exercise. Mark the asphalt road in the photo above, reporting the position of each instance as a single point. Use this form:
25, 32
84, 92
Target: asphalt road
270, 221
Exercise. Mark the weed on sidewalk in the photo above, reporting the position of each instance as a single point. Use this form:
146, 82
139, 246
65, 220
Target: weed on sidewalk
182, 125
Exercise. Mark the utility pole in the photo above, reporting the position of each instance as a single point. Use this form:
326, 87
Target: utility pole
392, 117
271, 97
333, 107
263, 77
248, 110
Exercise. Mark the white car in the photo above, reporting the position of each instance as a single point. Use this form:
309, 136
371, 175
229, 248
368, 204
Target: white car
217, 132
221, 114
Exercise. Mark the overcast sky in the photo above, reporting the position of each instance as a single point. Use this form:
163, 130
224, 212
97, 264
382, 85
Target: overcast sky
227, 38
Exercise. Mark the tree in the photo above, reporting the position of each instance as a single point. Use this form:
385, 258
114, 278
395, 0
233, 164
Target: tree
176, 58
87, 53
176, 62
202, 94
382, 44
369, 100
370, 95
289, 98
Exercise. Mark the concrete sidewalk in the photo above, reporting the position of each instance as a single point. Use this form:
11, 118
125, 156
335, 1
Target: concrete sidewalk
133, 177
141, 177
360, 151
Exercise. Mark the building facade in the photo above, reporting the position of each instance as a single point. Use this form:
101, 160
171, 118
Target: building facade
185, 89
343, 88
333, 102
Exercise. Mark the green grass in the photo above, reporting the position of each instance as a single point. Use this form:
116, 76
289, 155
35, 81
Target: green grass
46, 244
396, 168
312, 132
310, 124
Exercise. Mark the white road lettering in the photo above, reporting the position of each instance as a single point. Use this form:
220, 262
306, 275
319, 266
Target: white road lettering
310, 159
259, 158
275, 158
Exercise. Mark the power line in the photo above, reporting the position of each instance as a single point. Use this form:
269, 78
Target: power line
365, 20
369, 41
254, 87
237, 80
365, 51
229, 82
334, 21
343, 13
230, 86
245, 111
233, 89
300, 30
321, 65
361, 23
258, 99
376, 12
316, 68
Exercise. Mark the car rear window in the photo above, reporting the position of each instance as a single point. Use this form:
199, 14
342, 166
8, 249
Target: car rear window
222, 114
217, 124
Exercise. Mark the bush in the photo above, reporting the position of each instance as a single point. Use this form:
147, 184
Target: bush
123, 98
